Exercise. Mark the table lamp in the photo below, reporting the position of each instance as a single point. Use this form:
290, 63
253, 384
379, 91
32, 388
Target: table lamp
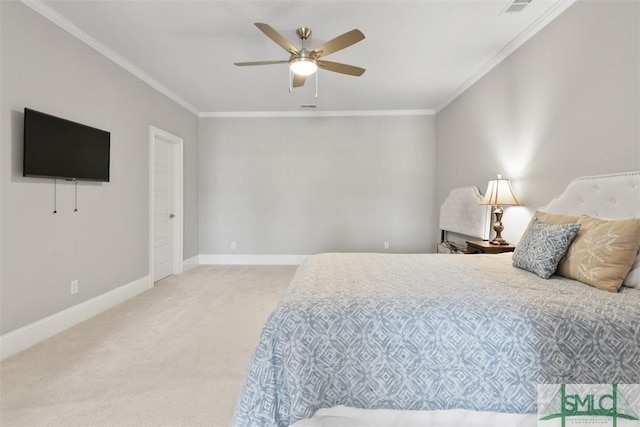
499, 193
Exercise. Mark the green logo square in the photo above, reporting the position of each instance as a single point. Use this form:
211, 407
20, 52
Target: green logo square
563, 405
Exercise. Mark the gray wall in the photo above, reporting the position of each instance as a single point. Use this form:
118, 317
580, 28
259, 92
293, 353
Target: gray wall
307, 185
564, 105
105, 244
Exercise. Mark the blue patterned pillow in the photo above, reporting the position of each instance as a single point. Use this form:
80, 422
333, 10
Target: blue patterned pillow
543, 246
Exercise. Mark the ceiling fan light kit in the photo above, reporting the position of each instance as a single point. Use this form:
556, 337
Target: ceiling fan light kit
303, 66
303, 62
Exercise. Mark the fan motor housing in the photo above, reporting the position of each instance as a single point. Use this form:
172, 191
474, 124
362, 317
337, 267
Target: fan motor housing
303, 32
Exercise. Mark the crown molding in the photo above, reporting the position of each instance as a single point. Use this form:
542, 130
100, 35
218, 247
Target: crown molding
355, 113
551, 14
62, 22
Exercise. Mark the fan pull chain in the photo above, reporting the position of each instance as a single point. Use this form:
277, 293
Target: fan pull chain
317, 84
290, 80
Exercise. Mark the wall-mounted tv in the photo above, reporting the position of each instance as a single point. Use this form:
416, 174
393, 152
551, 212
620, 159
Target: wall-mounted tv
60, 148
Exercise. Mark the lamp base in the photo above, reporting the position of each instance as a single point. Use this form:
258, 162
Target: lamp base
499, 242
498, 228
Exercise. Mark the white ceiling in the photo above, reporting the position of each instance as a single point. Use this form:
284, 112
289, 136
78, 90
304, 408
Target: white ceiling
418, 54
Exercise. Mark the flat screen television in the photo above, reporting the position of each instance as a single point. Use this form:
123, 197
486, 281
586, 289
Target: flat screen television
60, 148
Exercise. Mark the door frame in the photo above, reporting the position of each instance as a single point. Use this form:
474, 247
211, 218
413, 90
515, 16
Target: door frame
177, 144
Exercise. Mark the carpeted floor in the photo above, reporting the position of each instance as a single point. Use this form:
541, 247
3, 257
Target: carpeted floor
175, 355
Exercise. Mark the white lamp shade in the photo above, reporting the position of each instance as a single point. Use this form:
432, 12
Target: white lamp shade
303, 66
499, 193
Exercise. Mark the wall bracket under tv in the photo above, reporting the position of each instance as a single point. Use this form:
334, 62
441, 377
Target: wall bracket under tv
55, 195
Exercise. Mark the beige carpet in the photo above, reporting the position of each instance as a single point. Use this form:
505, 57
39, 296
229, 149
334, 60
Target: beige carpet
175, 355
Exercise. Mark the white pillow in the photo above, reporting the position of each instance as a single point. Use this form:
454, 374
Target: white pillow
633, 278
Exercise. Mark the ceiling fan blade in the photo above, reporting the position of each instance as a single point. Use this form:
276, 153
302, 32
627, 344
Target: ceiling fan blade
277, 37
298, 80
338, 43
243, 64
338, 67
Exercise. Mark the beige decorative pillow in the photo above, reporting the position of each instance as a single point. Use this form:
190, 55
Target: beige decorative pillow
554, 219
547, 218
602, 253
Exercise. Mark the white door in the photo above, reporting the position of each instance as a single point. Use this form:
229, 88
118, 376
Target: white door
164, 215
165, 201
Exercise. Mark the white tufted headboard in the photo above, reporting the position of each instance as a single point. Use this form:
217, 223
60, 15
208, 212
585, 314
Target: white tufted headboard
461, 213
614, 196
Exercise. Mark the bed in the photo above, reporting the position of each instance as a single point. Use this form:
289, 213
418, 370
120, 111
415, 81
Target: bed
442, 336
462, 218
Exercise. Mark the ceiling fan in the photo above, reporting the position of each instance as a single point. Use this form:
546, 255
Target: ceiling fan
304, 62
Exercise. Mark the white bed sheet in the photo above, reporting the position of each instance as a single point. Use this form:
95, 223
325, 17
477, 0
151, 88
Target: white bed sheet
343, 416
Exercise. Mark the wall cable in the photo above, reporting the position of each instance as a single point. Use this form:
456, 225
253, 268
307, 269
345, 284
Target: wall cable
55, 196
76, 209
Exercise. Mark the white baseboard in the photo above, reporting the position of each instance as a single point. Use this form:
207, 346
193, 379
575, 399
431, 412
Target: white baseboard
29, 335
222, 259
188, 264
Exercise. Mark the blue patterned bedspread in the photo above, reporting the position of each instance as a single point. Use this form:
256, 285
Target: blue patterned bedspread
427, 332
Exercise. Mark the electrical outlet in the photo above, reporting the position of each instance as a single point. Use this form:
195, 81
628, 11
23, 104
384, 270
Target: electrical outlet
233, 245
74, 287
386, 245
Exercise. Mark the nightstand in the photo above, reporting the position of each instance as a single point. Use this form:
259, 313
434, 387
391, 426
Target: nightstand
484, 247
